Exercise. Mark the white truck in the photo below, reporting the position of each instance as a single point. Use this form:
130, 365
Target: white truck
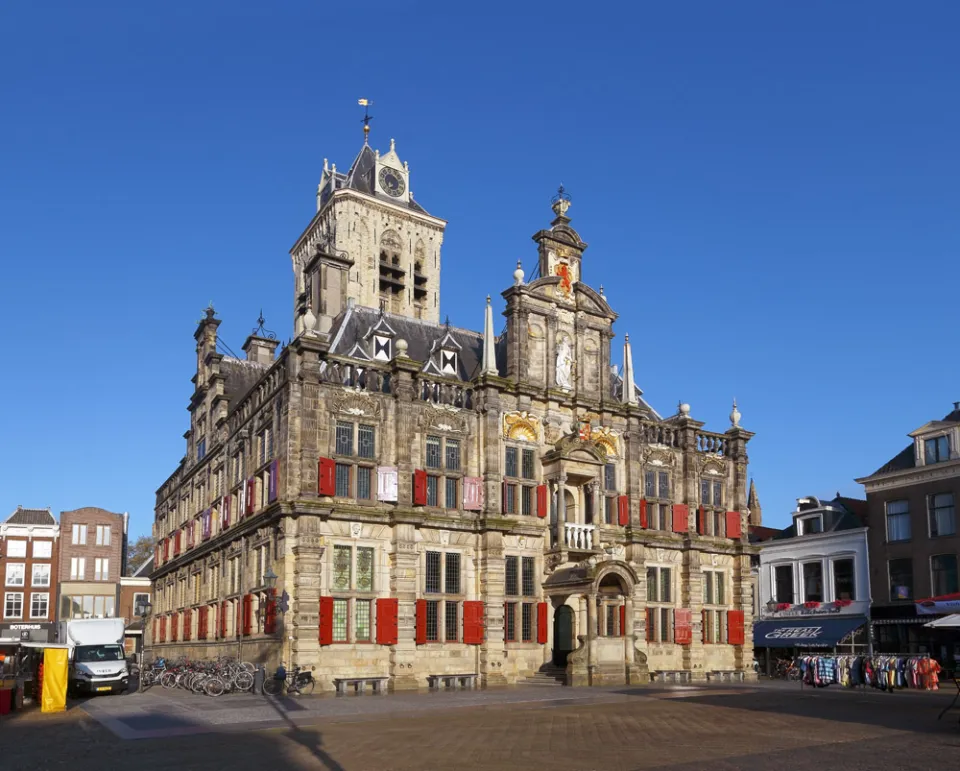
98, 663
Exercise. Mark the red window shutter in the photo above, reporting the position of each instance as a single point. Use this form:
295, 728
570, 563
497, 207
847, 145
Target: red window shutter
227, 501
326, 477
472, 622
422, 622
176, 543
542, 501
388, 611
419, 487
223, 620
251, 496
326, 620
187, 624
682, 626
701, 520
163, 629
643, 514
735, 627
681, 518
541, 622
270, 614
247, 614
649, 635
201, 623
623, 510
503, 497
173, 626
623, 620
154, 637
734, 530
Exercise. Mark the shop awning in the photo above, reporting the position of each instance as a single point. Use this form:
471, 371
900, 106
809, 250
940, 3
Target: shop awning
810, 632
948, 622
945, 603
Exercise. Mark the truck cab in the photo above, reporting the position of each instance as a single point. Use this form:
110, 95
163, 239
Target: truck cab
98, 661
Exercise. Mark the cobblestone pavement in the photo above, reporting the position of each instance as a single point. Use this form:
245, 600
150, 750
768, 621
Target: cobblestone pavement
723, 728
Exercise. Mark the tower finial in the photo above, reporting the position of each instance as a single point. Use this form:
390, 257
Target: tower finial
367, 117
561, 202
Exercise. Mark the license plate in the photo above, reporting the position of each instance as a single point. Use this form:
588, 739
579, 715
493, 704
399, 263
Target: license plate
105, 688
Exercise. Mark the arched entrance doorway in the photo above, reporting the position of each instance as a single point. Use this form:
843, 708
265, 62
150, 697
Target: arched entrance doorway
562, 634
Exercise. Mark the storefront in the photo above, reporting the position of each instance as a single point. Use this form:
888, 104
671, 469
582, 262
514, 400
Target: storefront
18, 632
791, 637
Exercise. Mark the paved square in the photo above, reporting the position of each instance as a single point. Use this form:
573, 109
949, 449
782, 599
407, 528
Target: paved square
758, 727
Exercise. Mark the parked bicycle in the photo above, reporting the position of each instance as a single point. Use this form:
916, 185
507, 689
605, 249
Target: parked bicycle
788, 670
298, 682
213, 678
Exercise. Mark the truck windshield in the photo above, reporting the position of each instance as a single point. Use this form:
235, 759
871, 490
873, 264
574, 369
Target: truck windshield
92, 653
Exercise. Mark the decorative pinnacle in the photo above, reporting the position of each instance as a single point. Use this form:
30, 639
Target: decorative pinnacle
561, 202
488, 299
367, 117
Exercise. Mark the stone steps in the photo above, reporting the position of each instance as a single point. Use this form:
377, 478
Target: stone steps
547, 676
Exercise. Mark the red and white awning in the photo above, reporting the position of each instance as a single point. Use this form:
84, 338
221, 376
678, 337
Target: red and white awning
945, 603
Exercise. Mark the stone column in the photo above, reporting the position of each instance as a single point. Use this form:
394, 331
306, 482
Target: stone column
304, 576
403, 585
492, 589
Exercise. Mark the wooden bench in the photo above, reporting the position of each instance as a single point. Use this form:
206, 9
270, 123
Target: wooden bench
454, 682
670, 677
725, 676
379, 684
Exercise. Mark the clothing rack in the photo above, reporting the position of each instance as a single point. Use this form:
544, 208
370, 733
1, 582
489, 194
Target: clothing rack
884, 671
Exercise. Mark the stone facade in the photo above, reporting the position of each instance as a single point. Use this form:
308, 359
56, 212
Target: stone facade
439, 501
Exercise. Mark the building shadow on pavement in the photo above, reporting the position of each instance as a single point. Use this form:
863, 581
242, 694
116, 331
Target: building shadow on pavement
72, 739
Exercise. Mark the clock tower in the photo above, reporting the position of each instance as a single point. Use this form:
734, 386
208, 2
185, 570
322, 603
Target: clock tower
368, 244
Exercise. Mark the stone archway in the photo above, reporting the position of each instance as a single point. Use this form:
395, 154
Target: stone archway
563, 634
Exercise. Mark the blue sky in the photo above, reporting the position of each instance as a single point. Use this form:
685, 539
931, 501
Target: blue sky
769, 191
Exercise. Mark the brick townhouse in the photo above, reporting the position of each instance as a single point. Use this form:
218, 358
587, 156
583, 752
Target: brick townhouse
92, 559
29, 546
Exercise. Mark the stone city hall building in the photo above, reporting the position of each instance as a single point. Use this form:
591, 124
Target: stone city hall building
438, 501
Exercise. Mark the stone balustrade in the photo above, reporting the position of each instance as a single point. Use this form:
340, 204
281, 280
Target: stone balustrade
578, 536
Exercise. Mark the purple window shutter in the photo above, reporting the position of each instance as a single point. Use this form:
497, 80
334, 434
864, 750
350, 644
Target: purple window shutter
272, 493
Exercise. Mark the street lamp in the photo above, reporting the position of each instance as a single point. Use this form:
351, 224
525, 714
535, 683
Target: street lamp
145, 607
270, 579
771, 606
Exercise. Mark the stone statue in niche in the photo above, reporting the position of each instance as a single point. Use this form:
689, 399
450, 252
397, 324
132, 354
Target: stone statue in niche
564, 364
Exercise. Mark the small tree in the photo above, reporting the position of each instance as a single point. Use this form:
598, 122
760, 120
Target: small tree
138, 552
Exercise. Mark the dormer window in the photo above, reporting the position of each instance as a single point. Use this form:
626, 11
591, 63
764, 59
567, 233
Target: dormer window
448, 363
936, 449
810, 525
382, 348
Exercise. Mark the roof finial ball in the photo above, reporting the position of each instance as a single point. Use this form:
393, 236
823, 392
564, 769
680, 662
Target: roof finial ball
735, 415
518, 275
683, 409
401, 347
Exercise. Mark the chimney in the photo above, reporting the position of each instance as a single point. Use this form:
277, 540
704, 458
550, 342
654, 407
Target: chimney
260, 349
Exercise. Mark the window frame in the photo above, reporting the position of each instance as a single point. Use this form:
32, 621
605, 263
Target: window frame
33, 574
354, 595
6, 604
10, 572
712, 506
440, 602
936, 444
934, 591
33, 597
11, 552
49, 549
354, 460
662, 633
443, 471
520, 497
78, 531
803, 580
835, 595
658, 504
775, 584
933, 521
906, 517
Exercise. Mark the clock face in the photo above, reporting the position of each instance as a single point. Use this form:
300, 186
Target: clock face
392, 182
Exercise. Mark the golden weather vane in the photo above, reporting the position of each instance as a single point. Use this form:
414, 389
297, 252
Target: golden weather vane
367, 117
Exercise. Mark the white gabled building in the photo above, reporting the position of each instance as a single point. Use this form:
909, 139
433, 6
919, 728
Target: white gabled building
814, 582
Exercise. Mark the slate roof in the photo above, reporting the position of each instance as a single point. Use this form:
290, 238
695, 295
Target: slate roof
240, 376
852, 516
906, 458
360, 178
351, 337
760, 533
24, 516
144, 570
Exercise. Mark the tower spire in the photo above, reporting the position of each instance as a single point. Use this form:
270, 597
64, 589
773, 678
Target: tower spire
753, 503
489, 350
367, 117
629, 395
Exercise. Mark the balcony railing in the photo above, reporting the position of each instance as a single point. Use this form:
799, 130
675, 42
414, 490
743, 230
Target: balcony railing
578, 536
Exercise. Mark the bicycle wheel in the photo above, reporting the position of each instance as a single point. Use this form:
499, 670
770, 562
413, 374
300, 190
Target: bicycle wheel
243, 681
251, 668
272, 686
168, 680
214, 686
306, 688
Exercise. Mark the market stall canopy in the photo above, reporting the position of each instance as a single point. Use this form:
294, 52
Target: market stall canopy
804, 632
945, 603
946, 622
